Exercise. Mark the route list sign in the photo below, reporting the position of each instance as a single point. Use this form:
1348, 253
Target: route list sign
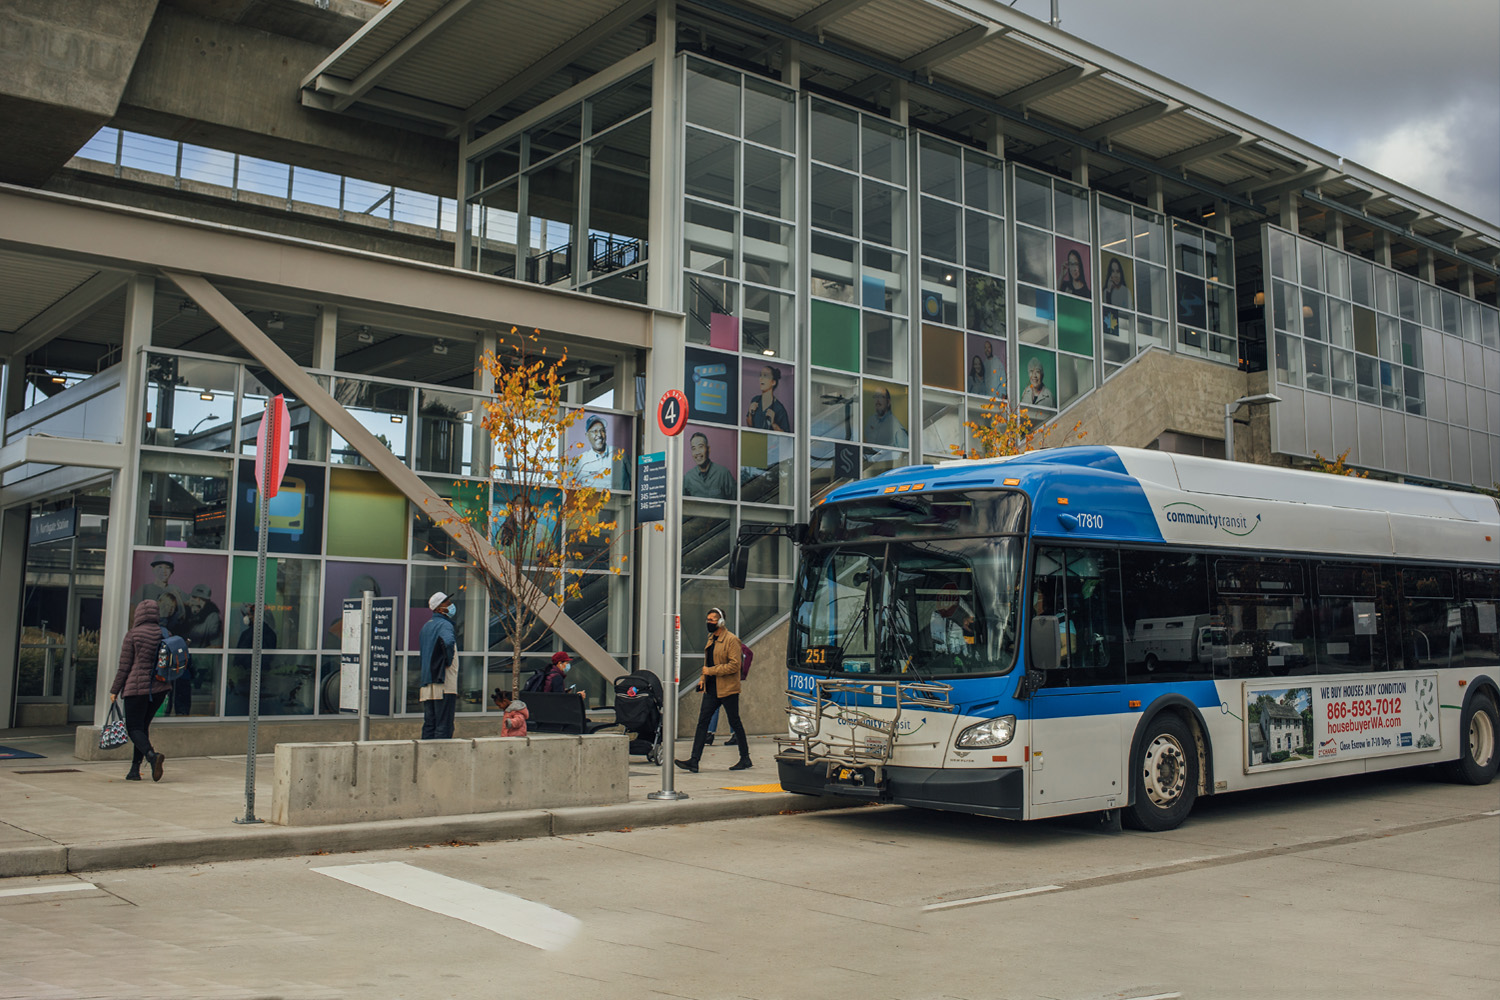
651, 487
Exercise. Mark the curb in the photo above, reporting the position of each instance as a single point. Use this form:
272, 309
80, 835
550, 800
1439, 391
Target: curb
278, 841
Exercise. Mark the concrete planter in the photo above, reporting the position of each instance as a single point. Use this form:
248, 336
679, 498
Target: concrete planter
323, 783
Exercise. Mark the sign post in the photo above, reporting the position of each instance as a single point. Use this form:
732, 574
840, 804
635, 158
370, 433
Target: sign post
671, 418
366, 654
272, 449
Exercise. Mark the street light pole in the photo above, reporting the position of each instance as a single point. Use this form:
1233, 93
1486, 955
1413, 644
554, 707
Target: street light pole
1229, 411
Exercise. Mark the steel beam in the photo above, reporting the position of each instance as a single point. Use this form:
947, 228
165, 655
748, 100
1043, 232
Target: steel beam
304, 387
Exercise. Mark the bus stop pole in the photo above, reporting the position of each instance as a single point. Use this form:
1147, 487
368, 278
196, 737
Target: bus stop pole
673, 671
366, 607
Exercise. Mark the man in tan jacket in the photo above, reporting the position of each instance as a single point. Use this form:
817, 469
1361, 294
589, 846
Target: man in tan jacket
721, 665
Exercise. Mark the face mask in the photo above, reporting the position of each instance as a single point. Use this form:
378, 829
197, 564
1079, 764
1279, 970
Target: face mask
566, 667
245, 619
712, 627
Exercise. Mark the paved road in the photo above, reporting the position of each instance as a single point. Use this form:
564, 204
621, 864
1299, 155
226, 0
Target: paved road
1381, 886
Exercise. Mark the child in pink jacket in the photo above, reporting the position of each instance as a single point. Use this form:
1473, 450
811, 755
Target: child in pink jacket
516, 714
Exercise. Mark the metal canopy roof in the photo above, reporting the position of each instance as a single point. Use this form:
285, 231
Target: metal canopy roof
967, 68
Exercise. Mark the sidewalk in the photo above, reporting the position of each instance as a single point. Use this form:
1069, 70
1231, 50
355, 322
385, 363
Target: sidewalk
61, 814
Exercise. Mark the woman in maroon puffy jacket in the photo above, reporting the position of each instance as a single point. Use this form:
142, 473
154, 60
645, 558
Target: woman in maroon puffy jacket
136, 680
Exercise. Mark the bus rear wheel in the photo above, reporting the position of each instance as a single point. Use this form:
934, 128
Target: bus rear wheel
1164, 777
1477, 759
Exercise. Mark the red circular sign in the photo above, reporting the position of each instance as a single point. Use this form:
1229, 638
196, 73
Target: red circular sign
672, 412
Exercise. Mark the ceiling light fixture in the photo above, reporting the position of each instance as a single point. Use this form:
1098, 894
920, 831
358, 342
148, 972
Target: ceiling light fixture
365, 336
60, 380
440, 348
188, 307
207, 397
768, 352
396, 418
275, 322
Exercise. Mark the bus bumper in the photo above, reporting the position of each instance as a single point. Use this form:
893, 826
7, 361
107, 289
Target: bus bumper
999, 792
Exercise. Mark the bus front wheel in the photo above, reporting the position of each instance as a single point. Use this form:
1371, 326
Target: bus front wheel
1164, 779
1477, 759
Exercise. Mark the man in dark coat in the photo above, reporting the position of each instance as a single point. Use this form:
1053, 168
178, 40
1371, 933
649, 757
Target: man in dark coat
143, 693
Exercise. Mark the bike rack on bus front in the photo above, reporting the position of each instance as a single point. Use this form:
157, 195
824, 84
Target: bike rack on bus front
871, 739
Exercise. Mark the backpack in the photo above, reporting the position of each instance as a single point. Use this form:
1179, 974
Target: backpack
747, 657
173, 660
536, 680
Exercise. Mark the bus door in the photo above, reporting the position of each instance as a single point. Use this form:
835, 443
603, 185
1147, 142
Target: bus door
1079, 711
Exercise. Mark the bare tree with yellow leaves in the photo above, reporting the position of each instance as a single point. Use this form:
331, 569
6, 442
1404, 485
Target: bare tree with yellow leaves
1005, 429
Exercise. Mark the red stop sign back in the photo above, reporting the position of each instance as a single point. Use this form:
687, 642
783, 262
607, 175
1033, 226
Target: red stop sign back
273, 444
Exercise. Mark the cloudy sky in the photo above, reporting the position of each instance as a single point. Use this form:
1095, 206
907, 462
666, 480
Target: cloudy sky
1408, 88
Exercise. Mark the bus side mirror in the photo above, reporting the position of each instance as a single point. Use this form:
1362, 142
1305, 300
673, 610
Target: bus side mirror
739, 564
1042, 643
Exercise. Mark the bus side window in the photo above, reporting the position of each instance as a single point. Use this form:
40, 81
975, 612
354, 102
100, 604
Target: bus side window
1480, 589
1082, 587
1171, 633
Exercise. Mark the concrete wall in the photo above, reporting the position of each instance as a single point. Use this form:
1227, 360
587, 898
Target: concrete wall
206, 739
319, 783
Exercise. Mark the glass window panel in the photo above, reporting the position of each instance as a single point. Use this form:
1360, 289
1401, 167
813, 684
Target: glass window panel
1407, 296
1116, 328
1150, 331
1366, 374
1075, 328
1075, 376
1151, 289
1341, 322
1448, 304
884, 150
291, 595
711, 167
1313, 319
1388, 332
835, 408
1362, 281
1188, 241
1033, 199
833, 268
295, 517
1341, 381
884, 209
1220, 309
769, 183
940, 295
1288, 360
383, 410
1218, 262
770, 323
942, 358
886, 348
619, 197
1390, 385
709, 239
1072, 211
1040, 377
288, 684
986, 304
768, 252
445, 432
1034, 256
1150, 237
1489, 327
878, 460
883, 283
1336, 272
767, 468
184, 501
1286, 301
1310, 256
1415, 391
711, 307
1114, 226
1385, 291
770, 114
938, 167
470, 499
1428, 297
309, 433
190, 403
1315, 358
613, 105
835, 135
1411, 345
984, 243
1471, 320
833, 198
984, 182
367, 516
941, 224
1283, 253
552, 203
1190, 341
1036, 315
713, 97
835, 336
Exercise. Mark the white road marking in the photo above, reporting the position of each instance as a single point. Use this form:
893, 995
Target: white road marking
37, 890
1158, 996
973, 900
1492, 812
519, 919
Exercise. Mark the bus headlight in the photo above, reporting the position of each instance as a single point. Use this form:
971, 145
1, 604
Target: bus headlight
990, 733
801, 724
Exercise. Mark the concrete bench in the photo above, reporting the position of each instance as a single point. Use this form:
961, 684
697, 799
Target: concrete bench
559, 712
320, 783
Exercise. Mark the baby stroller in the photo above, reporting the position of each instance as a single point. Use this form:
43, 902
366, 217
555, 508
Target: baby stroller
638, 706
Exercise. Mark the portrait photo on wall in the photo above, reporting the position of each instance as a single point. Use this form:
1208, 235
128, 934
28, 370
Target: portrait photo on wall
1040, 371
985, 371
712, 383
294, 518
768, 395
352, 579
189, 593
600, 451
545, 508
885, 414
1192, 302
1073, 268
709, 458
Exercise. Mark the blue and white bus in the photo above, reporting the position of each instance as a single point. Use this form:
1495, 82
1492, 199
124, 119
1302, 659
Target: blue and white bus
1099, 629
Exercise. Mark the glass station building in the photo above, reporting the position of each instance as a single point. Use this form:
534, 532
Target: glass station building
838, 226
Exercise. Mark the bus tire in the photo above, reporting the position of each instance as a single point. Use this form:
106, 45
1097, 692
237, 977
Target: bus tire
1152, 663
1477, 729
1164, 776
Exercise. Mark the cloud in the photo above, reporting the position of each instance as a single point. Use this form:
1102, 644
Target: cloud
1440, 154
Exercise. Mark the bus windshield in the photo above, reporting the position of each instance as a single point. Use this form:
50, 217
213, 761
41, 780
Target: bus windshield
928, 607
